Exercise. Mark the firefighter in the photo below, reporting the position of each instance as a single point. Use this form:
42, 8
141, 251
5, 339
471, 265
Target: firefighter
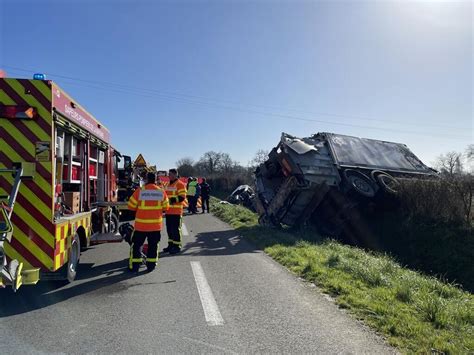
149, 202
176, 192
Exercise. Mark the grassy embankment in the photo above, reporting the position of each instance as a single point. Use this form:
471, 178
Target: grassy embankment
416, 313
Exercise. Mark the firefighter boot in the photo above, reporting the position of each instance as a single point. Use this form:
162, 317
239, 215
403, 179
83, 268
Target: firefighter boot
150, 267
175, 250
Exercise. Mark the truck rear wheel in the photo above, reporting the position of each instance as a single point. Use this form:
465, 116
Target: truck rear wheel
360, 182
388, 183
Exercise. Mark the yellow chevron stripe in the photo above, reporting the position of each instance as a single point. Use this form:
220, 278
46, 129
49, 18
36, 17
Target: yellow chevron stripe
5, 99
33, 126
33, 223
14, 156
20, 138
2, 191
38, 131
35, 201
33, 248
20, 90
13, 254
43, 89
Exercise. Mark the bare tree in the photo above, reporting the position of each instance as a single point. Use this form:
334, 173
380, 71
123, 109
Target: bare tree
470, 151
227, 164
186, 166
464, 187
260, 157
450, 163
470, 158
210, 162
185, 161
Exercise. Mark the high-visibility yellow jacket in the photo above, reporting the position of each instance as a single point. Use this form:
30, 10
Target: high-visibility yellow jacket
174, 190
149, 202
192, 188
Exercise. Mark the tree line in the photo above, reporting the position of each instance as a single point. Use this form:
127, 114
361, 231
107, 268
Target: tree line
223, 173
454, 163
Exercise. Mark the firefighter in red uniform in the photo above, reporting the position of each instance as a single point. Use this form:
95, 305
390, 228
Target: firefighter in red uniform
176, 192
149, 202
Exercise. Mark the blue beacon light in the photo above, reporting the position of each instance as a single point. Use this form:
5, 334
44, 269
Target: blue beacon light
39, 76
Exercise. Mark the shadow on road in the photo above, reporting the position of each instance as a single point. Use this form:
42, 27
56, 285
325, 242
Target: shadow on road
47, 293
219, 243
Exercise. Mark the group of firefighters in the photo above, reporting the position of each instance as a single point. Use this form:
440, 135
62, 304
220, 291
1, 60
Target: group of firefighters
150, 202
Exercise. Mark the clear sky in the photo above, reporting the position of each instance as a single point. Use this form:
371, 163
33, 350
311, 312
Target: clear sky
178, 78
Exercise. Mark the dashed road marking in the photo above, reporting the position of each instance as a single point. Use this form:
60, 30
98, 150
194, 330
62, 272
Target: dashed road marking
209, 304
184, 230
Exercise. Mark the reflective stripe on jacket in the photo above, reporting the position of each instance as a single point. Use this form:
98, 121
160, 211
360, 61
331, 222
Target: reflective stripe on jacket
176, 189
149, 202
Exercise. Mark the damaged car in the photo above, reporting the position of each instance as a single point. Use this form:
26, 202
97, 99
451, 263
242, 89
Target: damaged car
243, 195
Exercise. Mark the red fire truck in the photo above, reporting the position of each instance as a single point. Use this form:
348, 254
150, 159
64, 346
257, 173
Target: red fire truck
58, 182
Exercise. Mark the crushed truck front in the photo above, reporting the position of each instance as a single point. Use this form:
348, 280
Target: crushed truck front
303, 174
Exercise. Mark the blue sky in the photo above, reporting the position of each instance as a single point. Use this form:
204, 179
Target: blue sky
179, 78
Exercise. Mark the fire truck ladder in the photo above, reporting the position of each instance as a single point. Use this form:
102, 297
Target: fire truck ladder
11, 273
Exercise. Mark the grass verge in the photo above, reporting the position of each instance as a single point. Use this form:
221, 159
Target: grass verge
416, 313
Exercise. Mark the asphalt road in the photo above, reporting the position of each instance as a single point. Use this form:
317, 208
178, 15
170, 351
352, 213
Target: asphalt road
220, 295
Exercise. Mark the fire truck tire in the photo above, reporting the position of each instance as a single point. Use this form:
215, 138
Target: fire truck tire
114, 223
70, 270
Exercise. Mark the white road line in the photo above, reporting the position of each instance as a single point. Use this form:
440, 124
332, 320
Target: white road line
184, 230
209, 305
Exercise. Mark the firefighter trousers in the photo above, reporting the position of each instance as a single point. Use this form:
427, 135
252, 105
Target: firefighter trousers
138, 239
173, 228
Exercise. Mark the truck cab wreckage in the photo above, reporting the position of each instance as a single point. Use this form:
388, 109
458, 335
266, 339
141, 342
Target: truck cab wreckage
326, 177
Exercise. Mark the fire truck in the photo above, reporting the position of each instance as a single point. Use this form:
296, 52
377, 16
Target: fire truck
58, 183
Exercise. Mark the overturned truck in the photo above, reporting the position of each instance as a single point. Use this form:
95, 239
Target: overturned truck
326, 178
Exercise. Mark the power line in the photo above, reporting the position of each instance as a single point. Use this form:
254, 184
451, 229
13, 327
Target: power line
220, 101
150, 93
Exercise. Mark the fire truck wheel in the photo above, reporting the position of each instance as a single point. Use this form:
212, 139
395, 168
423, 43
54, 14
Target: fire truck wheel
114, 224
73, 261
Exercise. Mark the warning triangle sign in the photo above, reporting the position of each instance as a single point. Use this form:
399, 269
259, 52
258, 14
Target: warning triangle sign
140, 161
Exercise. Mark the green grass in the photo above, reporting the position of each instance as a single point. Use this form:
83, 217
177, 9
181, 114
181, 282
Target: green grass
416, 313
